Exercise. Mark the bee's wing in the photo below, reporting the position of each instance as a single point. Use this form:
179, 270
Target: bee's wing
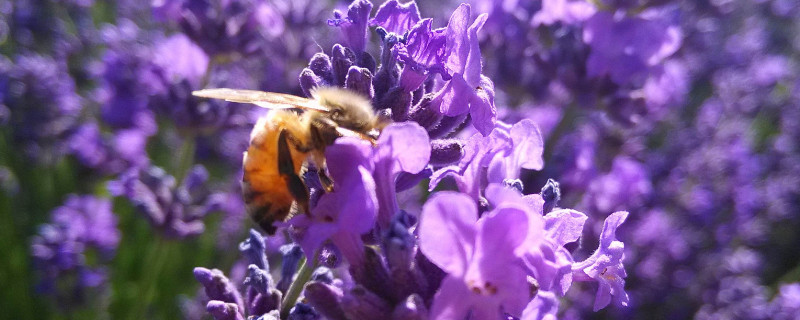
269, 100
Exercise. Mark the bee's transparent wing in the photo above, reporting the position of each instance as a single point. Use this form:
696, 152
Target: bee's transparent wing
269, 100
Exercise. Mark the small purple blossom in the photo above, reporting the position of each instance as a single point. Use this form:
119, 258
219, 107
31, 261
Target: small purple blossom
175, 210
626, 48
354, 25
422, 53
350, 210
111, 154
402, 147
605, 265
59, 249
479, 256
495, 158
42, 102
468, 91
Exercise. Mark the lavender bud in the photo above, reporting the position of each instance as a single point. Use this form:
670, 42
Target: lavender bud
217, 286
387, 75
399, 247
446, 151
292, 253
365, 60
322, 274
326, 299
514, 184
360, 303
446, 125
397, 100
359, 80
302, 311
272, 315
423, 114
413, 308
398, 243
551, 193
224, 311
309, 80
388, 40
320, 64
432, 274
254, 249
258, 303
342, 59
372, 274
258, 279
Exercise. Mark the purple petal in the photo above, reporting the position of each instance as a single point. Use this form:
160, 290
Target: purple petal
402, 147
311, 234
528, 145
407, 143
350, 245
455, 97
457, 39
610, 226
181, 59
499, 235
472, 69
543, 307
482, 108
452, 301
564, 225
447, 230
396, 17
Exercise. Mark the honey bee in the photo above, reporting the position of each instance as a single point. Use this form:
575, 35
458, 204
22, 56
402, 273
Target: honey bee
282, 142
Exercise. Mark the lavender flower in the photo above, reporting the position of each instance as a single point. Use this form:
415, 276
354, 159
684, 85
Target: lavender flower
42, 103
619, 50
176, 211
354, 25
605, 265
478, 256
60, 247
350, 211
496, 158
110, 154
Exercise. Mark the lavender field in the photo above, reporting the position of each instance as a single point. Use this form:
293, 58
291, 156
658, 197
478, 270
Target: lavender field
531, 159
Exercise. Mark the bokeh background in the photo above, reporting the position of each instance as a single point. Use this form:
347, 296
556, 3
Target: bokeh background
115, 183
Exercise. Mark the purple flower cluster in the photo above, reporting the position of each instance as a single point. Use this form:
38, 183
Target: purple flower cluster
485, 252
60, 247
176, 211
40, 103
678, 118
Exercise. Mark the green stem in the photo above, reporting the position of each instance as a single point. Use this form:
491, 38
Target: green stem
185, 158
303, 275
152, 267
789, 277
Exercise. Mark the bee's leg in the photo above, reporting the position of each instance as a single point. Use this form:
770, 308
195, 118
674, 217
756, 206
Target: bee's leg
324, 131
297, 143
286, 168
326, 181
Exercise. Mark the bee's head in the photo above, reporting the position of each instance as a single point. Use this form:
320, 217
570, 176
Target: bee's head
347, 109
